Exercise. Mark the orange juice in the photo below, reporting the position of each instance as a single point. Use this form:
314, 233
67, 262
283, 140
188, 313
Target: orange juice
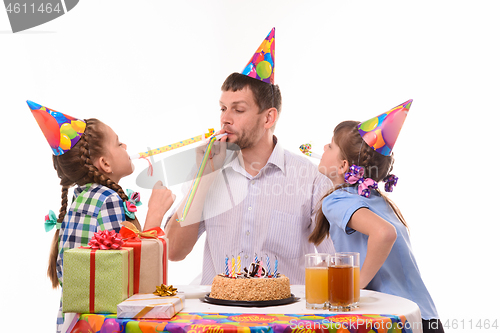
340, 285
356, 284
316, 285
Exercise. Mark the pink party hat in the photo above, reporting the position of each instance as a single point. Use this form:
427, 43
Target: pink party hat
61, 131
261, 65
381, 132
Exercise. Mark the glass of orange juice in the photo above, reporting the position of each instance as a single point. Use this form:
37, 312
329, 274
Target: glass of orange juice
356, 278
341, 282
317, 281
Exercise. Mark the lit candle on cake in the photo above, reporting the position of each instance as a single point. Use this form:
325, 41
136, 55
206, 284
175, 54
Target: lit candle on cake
238, 263
226, 264
275, 268
232, 267
268, 265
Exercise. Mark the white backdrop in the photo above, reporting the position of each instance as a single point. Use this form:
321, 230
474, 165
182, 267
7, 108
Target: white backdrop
153, 69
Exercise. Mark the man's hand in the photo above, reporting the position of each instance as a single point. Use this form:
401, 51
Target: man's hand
217, 155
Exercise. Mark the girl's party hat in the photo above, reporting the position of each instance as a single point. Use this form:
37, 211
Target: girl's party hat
381, 132
61, 131
261, 65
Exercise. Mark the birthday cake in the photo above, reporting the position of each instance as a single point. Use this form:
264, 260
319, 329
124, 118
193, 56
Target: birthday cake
251, 286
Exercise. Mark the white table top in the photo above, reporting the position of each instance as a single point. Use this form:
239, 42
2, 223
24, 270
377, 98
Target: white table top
371, 302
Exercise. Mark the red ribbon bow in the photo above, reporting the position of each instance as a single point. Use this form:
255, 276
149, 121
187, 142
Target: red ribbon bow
106, 240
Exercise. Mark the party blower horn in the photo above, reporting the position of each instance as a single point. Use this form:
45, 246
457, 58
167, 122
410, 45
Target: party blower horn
306, 150
179, 144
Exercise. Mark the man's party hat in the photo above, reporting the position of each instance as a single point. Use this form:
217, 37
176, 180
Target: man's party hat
381, 132
261, 65
61, 131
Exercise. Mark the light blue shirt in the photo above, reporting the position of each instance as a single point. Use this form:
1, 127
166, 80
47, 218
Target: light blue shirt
399, 275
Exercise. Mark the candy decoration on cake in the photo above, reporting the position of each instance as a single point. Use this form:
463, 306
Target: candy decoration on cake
256, 270
197, 179
381, 132
306, 150
61, 131
261, 65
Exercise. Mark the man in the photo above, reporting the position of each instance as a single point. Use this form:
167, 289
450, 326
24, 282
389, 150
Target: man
262, 202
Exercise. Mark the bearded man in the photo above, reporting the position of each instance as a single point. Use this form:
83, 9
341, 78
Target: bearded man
259, 200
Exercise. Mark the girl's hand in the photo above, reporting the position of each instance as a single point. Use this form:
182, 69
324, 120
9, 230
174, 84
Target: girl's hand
381, 237
159, 203
161, 198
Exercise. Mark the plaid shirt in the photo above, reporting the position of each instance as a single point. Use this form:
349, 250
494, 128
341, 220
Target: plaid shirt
95, 207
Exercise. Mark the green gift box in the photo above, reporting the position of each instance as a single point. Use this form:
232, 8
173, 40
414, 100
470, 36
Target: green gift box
95, 281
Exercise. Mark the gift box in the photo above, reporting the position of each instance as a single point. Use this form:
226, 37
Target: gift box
150, 256
150, 306
96, 281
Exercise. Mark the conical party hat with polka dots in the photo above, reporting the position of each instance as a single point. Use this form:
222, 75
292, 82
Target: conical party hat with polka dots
381, 132
61, 131
261, 65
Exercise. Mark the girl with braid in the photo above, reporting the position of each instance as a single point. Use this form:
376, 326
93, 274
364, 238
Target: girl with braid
360, 218
89, 154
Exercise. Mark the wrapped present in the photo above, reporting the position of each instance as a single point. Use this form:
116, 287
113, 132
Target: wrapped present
150, 306
150, 256
96, 281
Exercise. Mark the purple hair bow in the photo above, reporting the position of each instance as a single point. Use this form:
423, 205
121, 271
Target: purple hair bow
390, 182
365, 185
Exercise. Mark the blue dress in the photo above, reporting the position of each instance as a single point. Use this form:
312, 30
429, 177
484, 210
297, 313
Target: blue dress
399, 275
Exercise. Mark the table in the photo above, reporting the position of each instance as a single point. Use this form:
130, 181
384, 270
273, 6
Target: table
377, 313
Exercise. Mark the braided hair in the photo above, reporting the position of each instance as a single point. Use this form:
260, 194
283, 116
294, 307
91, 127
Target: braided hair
75, 167
355, 150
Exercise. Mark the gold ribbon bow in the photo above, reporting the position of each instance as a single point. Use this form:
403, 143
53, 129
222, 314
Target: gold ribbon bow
134, 232
163, 291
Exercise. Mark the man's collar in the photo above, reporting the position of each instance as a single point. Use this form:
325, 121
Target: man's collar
278, 155
277, 158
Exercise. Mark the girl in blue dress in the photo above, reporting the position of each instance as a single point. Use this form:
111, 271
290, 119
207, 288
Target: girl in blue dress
360, 218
